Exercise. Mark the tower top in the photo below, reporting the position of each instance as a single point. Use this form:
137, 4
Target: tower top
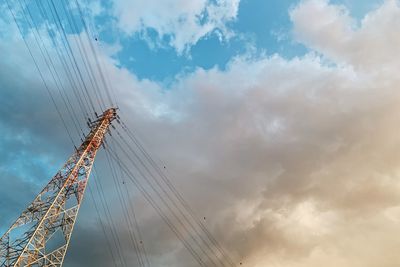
109, 115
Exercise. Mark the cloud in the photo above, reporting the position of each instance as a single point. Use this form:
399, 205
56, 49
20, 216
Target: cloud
181, 23
336, 35
292, 162
301, 153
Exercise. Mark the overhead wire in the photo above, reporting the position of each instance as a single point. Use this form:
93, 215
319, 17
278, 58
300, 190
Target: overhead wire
132, 234
50, 65
85, 67
57, 81
120, 248
40, 72
178, 195
181, 218
132, 210
187, 223
77, 70
83, 54
183, 203
106, 209
157, 208
99, 218
92, 32
69, 67
61, 56
94, 52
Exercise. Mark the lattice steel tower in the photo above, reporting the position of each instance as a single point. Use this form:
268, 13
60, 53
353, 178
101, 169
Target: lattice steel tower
41, 234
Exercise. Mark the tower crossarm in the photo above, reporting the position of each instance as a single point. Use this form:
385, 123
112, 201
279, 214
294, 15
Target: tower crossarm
40, 235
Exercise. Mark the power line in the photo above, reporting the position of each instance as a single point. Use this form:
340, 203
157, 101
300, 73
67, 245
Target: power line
83, 55
106, 209
158, 209
122, 201
40, 72
50, 65
58, 23
185, 223
178, 195
132, 209
102, 225
94, 52
163, 193
66, 66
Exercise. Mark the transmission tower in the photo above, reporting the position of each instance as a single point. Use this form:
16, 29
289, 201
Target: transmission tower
41, 234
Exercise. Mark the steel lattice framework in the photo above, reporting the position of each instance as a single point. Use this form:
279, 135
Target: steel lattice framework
41, 234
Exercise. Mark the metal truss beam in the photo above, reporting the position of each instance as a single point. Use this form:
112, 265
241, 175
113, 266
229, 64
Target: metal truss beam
41, 234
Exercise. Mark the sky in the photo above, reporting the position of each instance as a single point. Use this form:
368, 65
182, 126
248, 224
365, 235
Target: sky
276, 120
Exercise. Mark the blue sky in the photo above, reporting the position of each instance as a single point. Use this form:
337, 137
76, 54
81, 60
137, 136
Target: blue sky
276, 119
260, 26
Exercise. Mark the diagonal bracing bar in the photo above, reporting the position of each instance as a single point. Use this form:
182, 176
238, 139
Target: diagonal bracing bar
41, 234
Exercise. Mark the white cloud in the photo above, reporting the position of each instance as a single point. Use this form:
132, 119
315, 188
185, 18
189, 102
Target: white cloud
313, 189
330, 30
305, 151
183, 22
